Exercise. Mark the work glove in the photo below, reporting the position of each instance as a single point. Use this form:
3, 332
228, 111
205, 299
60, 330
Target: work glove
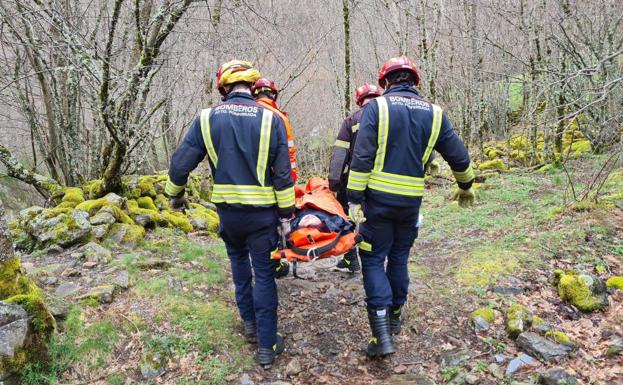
432, 167
465, 197
356, 213
178, 203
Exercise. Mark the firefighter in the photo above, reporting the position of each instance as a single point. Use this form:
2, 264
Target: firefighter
253, 190
265, 93
341, 157
397, 133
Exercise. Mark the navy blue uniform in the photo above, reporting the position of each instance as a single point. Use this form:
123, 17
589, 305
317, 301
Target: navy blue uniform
247, 149
341, 156
397, 135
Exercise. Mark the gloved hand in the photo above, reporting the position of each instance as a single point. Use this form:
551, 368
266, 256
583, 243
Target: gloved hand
356, 213
285, 226
432, 167
465, 197
178, 203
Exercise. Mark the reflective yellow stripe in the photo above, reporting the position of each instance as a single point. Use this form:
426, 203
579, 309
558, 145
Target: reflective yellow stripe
207, 136
171, 189
404, 180
262, 155
365, 246
242, 199
355, 128
396, 189
342, 144
464, 176
285, 198
243, 189
434, 133
357, 181
382, 133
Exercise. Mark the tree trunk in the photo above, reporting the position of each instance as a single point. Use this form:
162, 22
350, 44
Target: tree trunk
347, 98
46, 186
6, 245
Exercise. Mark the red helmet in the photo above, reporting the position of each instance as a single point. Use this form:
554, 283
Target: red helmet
365, 91
395, 64
262, 84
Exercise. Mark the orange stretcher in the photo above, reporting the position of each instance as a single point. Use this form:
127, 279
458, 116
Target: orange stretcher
308, 244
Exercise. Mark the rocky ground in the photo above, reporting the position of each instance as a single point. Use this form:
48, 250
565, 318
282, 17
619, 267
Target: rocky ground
163, 312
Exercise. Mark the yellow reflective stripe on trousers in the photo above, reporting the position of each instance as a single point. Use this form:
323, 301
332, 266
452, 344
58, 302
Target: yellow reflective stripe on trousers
365, 246
207, 136
383, 132
285, 198
171, 189
357, 181
262, 155
244, 194
434, 133
355, 128
396, 184
464, 176
342, 144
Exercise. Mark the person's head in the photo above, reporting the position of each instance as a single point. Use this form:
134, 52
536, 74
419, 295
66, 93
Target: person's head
236, 75
365, 93
265, 88
398, 70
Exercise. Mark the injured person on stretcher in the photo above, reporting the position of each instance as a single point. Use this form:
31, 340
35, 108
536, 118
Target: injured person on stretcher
320, 228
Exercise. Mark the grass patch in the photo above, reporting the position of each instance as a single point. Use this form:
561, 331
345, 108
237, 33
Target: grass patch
80, 344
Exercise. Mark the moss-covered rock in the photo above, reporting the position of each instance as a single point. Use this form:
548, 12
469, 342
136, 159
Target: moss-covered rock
615, 282
486, 313
495, 164
176, 219
73, 196
583, 291
94, 205
561, 338
146, 203
125, 234
518, 320
94, 189
203, 218
162, 202
540, 325
63, 227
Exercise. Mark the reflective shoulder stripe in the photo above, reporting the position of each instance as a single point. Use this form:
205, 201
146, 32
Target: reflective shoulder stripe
357, 181
171, 189
207, 136
355, 128
434, 133
382, 133
342, 144
262, 155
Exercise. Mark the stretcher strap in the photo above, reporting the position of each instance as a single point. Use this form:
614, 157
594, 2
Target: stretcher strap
316, 252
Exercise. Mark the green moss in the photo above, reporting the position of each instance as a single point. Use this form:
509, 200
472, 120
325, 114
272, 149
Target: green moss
615, 282
69, 205
146, 203
576, 289
555, 279
73, 195
176, 219
10, 273
207, 218
518, 320
546, 168
485, 313
162, 202
560, 337
42, 321
495, 164
53, 213
134, 210
485, 265
94, 189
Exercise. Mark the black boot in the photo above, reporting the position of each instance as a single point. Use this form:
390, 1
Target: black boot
395, 319
381, 343
282, 269
266, 356
350, 261
250, 331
